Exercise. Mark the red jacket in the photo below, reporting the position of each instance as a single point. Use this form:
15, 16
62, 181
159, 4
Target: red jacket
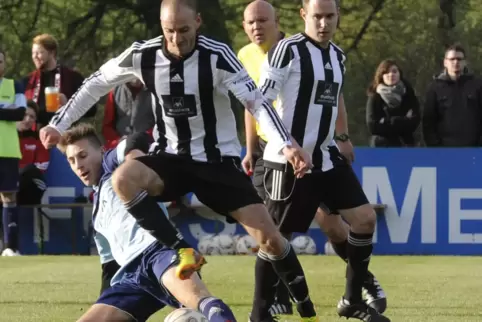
33, 152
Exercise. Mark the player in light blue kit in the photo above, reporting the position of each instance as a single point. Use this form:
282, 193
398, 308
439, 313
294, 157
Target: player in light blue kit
146, 281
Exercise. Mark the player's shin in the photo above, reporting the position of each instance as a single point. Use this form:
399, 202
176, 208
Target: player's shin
264, 288
289, 269
152, 218
215, 310
359, 251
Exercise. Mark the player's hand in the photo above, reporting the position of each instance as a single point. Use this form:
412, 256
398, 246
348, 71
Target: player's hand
346, 148
299, 159
248, 164
49, 136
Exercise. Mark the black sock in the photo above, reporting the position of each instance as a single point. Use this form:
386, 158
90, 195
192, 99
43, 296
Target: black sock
359, 251
152, 218
282, 294
264, 288
289, 270
340, 249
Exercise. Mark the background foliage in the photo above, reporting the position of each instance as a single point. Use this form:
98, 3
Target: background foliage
411, 31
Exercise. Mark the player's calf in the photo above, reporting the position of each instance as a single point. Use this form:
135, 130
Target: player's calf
359, 249
193, 294
275, 253
337, 232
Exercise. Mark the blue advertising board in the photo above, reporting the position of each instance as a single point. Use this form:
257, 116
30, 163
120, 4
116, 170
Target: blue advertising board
433, 198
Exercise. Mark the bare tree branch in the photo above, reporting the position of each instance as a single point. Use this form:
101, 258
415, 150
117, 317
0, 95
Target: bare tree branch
35, 17
378, 6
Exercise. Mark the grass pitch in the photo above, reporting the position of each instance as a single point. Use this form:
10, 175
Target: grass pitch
61, 288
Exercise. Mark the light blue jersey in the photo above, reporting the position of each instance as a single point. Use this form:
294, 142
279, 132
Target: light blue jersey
117, 235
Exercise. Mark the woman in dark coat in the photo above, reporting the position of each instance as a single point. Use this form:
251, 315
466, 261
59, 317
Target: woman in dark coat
393, 110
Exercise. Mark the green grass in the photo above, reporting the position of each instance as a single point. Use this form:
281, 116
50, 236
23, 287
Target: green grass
419, 289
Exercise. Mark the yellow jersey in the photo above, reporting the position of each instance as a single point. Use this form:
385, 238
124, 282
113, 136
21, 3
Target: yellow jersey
252, 57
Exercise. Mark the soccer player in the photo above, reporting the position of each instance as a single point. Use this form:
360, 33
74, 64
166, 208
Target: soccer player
12, 109
197, 149
146, 281
261, 26
305, 74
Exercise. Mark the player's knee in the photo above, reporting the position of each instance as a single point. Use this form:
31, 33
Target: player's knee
364, 219
132, 176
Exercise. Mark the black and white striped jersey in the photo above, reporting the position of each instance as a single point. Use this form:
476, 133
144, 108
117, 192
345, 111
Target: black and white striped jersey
306, 81
192, 106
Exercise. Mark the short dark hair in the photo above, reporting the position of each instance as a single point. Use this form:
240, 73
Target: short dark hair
33, 105
305, 2
79, 132
191, 4
455, 47
3, 53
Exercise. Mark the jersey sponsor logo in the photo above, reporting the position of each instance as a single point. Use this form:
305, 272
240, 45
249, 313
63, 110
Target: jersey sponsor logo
179, 106
326, 93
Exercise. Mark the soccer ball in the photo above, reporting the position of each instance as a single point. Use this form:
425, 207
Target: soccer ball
208, 246
329, 249
236, 238
304, 245
185, 315
225, 244
246, 245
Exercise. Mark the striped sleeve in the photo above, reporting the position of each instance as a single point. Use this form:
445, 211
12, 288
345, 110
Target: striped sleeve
114, 72
236, 79
275, 68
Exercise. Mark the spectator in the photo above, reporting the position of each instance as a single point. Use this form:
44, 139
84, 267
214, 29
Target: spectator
452, 113
50, 73
128, 109
12, 109
393, 111
35, 159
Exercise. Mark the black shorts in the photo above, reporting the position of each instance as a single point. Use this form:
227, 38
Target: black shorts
293, 202
223, 186
258, 172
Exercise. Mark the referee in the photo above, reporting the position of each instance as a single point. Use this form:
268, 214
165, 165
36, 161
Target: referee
198, 149
261, 26
305, 74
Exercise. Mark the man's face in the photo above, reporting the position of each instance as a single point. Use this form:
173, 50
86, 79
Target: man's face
2, 64
41, 56
454, 62
28, 120
260, 25
180, 26
85, 161
321, 18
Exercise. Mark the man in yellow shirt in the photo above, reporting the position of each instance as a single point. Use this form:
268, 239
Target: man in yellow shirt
261, 26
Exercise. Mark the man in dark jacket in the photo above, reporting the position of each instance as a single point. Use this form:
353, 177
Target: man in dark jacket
452, 115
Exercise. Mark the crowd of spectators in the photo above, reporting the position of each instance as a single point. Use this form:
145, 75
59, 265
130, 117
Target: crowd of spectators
450, 117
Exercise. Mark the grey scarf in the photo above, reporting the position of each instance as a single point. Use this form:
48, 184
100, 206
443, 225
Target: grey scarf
392, 95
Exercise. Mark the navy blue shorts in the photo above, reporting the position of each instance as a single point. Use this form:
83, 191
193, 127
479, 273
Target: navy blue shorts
9, 174
139, 292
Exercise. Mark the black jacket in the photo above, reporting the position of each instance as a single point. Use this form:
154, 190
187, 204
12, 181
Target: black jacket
396, 129
452, 115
